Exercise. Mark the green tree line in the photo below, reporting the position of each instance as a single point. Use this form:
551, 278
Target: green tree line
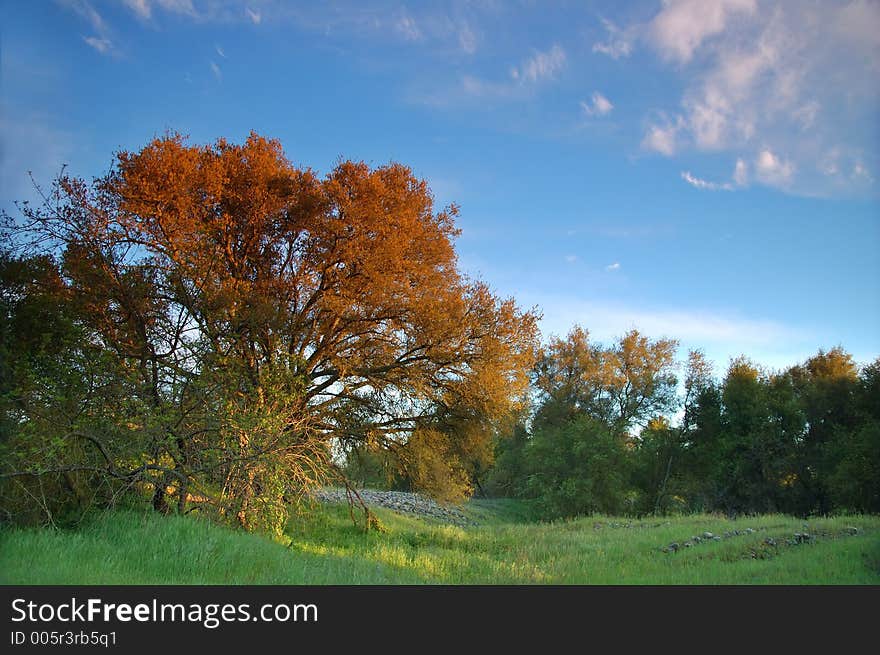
613, 431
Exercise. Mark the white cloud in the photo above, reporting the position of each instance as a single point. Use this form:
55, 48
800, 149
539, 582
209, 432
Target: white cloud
844, 168
682, 26
741, 173
571, 259
467, 40
253, 16
407, 28
104, 46
599, 105
143, 9
215, 69
830, 163
806, 114
718, 332
140, 7
774, 76
613, 267
178, 6
220, 51
772, 170
663, 138
541, 66
617, 45
700, 183
479, 88
101, 40
856, 23
860, 172
740, 178
89, 13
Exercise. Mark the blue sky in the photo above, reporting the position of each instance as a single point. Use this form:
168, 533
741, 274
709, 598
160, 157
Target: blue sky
705, 170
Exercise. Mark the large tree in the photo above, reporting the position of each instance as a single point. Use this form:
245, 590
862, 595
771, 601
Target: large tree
273, 317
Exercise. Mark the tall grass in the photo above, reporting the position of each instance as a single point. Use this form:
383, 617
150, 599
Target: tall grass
505, 548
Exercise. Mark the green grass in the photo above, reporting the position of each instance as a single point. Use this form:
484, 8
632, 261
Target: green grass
505, 548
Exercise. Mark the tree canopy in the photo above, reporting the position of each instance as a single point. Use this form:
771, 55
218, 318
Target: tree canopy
269, 317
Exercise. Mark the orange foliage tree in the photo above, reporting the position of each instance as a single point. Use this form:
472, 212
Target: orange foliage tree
274, 318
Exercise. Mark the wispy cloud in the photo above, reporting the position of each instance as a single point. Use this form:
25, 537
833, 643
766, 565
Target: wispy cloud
571, 259
618, 43
859, 172
700, 183
772, 169
599, 105
178, 6
711, 329
253, 15
663, 137
104, 46
467, 39
759, 81
740, 172
215, 69
219, 51
406, 26
141, 8
613, 267
541, 66
86, 11
682, 26
100, 41
739, 179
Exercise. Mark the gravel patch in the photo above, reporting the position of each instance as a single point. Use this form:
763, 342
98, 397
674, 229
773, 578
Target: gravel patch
400, 501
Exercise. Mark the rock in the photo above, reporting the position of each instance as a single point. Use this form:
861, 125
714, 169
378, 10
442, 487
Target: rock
770, 541
674, 546
398, 501
696, 540
688, 544
716, 538
708, 535
851, 529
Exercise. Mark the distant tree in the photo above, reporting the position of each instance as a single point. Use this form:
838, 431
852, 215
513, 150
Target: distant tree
508, 474
662, 448
742, 451
591, 397
851, 456
578, 467
623, 385
827, 385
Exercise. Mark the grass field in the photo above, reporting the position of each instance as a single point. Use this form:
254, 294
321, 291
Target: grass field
504, 548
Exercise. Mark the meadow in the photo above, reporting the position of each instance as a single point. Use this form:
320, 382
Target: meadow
505, 546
